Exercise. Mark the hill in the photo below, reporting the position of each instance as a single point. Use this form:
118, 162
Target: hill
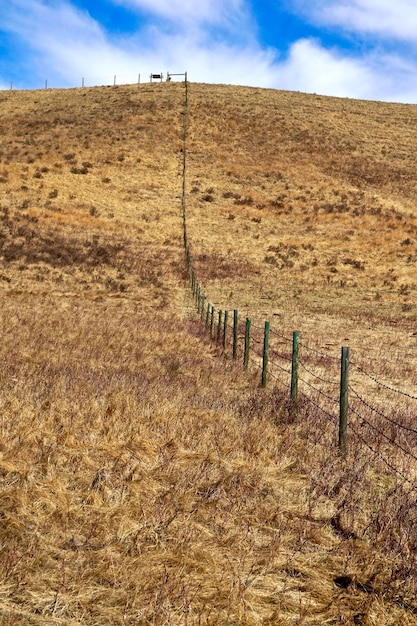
145, 478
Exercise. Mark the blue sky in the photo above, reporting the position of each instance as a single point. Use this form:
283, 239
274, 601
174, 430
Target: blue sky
349, 48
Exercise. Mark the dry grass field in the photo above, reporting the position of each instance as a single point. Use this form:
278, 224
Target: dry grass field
145, 478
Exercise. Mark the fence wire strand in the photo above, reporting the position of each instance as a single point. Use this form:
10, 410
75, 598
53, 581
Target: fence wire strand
382, 434
318, 353
316, 376
274, 364
272, 375
381, 384
277, 334
329, 416
382, 458
284, 357
378, 412
319, 391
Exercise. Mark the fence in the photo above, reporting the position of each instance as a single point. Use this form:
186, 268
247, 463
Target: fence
158, 77
325, 380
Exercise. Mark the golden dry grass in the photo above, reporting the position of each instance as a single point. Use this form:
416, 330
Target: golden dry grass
145, 479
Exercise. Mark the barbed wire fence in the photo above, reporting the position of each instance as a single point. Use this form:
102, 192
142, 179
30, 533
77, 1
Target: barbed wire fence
152, 77
325, 381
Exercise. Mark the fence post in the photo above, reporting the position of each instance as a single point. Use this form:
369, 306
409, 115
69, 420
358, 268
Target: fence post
212, 321
219, 326
208, 314
235, 329
226, 319
203, 299
265, 355
344, 385
198, 298
294, 365
247, 343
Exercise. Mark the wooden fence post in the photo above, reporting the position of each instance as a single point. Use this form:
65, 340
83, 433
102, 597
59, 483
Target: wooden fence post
235, 329
226, 319
265, 355
247, 343
212, 322
203, 299
294, 365
344, 386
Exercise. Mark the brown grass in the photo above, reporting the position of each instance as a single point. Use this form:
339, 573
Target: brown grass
145, 479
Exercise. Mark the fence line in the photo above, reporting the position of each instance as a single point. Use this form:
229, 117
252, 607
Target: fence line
257, 346
153, 77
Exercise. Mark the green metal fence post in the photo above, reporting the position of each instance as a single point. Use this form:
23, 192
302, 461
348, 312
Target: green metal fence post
235, 329
247, 343
212, 322
219, 326
344, 405
294, 365
208, 314
226, 319
265, 355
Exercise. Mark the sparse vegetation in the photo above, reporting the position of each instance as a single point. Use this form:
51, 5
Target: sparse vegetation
145, 479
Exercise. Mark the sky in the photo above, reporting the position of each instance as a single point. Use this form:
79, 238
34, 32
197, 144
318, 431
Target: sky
364, 49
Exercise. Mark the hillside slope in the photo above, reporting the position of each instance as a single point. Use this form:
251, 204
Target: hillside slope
146, 479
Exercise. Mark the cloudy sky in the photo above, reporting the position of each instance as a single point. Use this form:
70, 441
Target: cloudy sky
353, 48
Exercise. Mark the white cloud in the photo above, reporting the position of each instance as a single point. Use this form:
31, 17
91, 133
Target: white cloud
314, 69
218, 62
64, 44
376, 17
311, 68
56, 37
191, 11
